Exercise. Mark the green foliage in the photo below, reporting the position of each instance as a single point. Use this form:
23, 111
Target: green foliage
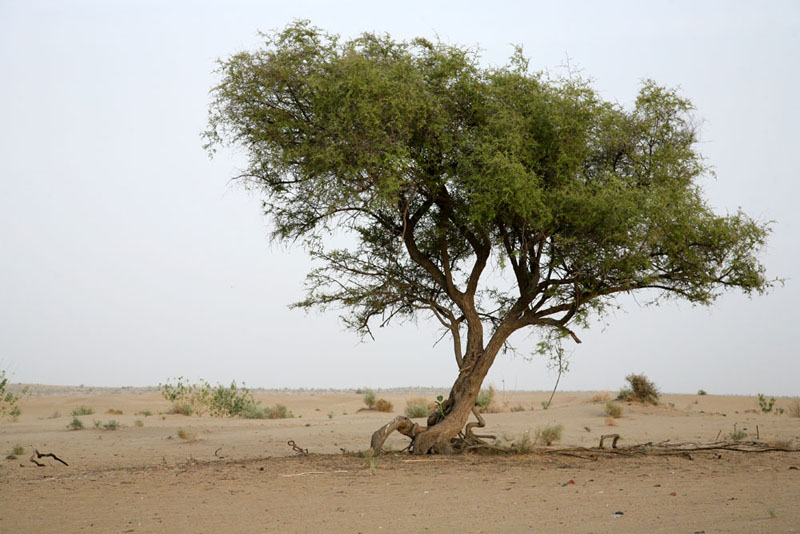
416, 408
701, 392
546, 435
111, 425
434, 164
737, 435
370, 398
485, 398
202, 397
82, 410
9, 402
641, 390
75, 424
138, 423
613, 409
18, 450
764, 404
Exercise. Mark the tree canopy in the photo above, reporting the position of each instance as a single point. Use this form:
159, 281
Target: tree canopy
493, 198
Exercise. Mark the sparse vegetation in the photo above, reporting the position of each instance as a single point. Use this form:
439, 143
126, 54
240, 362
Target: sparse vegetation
138, 422
111, 425
737, 435
82, 410
370, 398
546, 435
75, 424
384, 406
613, 409
417, 407
202, 397
701, 392
597, 398
181, 408
330, 415
146, 413
524, 445
641, 389
16, 450
113, 411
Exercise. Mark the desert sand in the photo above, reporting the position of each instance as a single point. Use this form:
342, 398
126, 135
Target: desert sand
238, 475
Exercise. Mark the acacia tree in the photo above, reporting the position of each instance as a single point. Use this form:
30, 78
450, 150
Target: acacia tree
492, 199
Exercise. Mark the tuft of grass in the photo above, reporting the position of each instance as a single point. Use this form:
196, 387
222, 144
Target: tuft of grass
186, 435
737, 435
112, 411
417, 407
82, 410
613, 409
146, 413
17, 450
370, 398
75, 424
138, 422
546, 435
111, 425
641, 389
524, 445
384, 405
371, 460
330, 415
794, 408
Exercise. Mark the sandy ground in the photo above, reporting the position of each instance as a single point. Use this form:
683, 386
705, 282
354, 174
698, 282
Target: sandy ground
236, 475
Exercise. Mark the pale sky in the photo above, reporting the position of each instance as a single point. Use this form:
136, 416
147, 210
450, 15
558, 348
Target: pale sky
127, 256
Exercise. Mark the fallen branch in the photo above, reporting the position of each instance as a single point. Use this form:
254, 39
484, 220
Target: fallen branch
314, 473
38, 454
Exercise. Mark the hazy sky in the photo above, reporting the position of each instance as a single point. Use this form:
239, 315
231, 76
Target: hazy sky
127, 256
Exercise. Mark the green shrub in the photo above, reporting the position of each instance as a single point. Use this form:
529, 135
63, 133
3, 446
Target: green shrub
548, 434
9, 402
701, 392
485, 397
764, 404
16, 450
75, 424
641, 389
417, 407
202, 397
613, 409
138, 422
370, 398
111, 425
82, 410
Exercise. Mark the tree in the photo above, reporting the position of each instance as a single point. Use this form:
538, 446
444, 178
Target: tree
492, 199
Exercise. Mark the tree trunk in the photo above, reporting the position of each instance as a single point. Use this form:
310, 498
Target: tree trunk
436, 438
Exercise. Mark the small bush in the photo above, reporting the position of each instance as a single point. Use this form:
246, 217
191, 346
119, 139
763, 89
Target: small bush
794, 408
111, 425
279, 411
181, 408
597, 398
517, 408
9, 402
485, 398
112, 411
186, 434
370, 398
701, 392
82, 410
75, 424
548, 434
737, 435
138, 422
417, 407
642, 389
613, 409
384, 406
254, 411
17, 450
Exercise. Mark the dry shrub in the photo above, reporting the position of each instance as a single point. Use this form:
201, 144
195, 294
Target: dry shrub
417, 407
382, 405
518, 408
610, 421
112, 411
186, 434
613, 409
783, 444
597, 398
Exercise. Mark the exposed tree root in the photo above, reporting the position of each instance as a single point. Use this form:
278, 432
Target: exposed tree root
37, 454
402, 424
